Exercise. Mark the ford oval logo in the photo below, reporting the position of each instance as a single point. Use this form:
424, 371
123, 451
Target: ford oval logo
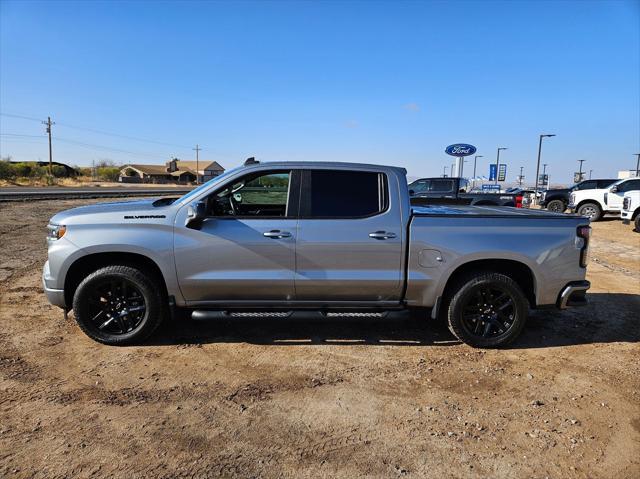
460, 149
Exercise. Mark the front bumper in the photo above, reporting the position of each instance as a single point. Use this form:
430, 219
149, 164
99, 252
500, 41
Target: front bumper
54, 296
573, 294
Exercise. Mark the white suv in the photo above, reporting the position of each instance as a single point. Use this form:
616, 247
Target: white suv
595, 203
631, 209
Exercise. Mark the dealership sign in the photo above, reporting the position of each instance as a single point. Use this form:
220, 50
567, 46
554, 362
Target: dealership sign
460, 149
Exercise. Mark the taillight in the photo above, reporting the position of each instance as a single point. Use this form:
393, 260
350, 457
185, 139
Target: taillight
584, 232
519, 201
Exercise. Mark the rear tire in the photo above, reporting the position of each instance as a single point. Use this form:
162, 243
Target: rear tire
119, 305
556, 206
487, 309
591, 211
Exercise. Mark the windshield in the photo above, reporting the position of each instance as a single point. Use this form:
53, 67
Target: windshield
195, 192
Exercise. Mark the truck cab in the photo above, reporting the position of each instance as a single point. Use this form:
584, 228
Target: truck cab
595, 203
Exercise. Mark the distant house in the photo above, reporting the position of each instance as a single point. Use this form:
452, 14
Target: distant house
173, 171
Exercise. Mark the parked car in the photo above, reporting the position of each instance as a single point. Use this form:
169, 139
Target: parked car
597, 202
557, 199
456, 191
322, 236
631, 209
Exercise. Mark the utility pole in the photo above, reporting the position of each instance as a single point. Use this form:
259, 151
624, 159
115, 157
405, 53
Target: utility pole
638, 165
453, 165
444, 171
520, 177
197, 149
590, 171
48, 130
580, 171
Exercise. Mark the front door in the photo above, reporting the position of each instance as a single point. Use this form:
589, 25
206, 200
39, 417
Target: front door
614, 199
245, 249
349, 245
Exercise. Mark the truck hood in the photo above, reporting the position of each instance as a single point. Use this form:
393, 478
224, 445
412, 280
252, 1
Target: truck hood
112, 212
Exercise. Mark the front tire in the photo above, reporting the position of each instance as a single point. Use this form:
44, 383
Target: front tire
487, 310
637, 223
591, 211
556, 206
119, 305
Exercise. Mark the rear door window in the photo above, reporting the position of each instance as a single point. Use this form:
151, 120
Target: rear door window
343, 194
441, 186
588, 185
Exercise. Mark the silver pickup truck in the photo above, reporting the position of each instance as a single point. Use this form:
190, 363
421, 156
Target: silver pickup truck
330, 237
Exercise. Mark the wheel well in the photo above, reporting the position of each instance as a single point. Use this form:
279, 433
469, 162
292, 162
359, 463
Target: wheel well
86, 265
517, 271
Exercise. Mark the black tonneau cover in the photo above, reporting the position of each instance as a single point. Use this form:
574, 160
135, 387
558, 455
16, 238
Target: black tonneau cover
486, 211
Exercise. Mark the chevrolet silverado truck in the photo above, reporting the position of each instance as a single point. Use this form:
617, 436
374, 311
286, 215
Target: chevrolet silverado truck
329, 237
595, 203
631, 209
455, 191
557, 199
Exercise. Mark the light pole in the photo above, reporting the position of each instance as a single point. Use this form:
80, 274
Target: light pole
498, 162
520, 177
590, 171
453, 165
638, 165
475, 159
580, 171
444, 173
462, 162
538, 163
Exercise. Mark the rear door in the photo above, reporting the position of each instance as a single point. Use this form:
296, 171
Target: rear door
349, 244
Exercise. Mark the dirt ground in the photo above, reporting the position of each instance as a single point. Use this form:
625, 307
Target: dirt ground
312, 397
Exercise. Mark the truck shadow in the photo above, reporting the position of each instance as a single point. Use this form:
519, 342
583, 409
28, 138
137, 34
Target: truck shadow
609, 317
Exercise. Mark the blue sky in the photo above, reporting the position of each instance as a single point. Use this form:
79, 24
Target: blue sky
380, 82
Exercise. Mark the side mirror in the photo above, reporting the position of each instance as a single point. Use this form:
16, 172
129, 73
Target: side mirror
196, 213
614, 189
411, 192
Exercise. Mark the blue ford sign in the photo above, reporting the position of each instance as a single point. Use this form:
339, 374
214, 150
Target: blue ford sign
460, 149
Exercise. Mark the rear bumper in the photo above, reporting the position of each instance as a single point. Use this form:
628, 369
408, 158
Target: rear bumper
573, 294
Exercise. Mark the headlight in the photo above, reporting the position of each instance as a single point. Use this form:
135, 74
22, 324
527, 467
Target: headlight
55, 232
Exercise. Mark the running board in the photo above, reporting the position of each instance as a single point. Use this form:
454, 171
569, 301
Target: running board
203, 314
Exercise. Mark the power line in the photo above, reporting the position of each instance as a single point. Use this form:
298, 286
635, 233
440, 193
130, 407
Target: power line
100, 132
87, 145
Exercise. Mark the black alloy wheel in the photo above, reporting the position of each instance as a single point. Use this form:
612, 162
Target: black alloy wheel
116, 306
486, 309
488, 312
120, 304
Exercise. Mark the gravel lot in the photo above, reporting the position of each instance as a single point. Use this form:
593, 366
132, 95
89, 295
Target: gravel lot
311, 397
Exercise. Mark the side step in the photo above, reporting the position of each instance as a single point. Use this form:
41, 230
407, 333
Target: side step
203, 314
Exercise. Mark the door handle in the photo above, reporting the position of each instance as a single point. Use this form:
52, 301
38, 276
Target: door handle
276, 234
382, 235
